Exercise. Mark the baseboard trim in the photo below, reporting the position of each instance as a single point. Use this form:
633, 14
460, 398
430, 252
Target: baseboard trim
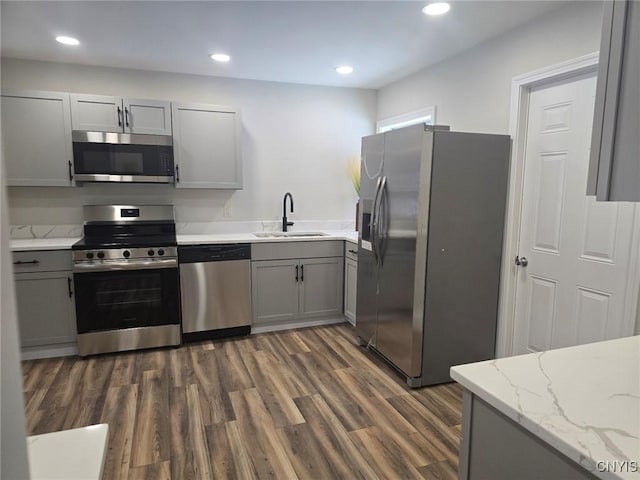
276, 327
49, 351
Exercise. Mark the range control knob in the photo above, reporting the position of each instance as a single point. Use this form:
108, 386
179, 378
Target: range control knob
161, 252
89, 255
100, 254
150, 253
126, 254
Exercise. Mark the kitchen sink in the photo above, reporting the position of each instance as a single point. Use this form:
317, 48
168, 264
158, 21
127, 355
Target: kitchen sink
288, 234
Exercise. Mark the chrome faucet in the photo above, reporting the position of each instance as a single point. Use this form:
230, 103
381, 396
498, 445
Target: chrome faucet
286, 223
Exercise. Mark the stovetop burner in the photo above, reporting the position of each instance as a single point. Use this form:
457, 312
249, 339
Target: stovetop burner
127, 226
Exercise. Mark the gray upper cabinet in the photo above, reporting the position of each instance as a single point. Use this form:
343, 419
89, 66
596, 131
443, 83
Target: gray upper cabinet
36, 138
100, 113
207, 146
614, 171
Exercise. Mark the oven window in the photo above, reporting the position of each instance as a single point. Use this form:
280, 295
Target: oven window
126, 299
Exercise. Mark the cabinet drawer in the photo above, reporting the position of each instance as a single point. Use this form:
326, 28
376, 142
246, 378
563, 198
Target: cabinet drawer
292, 250
351, 251
42, 261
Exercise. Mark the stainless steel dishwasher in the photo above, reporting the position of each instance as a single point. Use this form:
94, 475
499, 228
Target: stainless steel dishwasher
215, 285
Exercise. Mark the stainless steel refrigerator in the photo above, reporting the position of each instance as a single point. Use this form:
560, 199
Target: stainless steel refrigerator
432, 207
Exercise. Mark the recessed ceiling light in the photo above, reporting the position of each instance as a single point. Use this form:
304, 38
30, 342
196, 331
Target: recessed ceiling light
344, 69
67, 40
436, 8
220, 57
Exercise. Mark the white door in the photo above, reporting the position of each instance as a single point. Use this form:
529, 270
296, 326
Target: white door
581, 253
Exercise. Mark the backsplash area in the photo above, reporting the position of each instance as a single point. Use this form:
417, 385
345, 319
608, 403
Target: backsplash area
191, 228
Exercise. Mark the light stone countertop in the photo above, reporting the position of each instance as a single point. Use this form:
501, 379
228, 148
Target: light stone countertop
76, 454
206, 239
583, 401
31, 244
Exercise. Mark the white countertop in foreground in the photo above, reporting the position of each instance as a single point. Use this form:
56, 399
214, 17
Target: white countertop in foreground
76, 454
31, 244
584, 401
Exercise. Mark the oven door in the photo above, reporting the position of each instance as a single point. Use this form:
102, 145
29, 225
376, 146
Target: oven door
113, 157
126, 299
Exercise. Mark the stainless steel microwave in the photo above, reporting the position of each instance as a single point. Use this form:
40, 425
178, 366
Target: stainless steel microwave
122, 157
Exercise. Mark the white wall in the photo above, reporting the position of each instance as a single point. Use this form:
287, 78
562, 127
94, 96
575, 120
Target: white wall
296, 138
472, 90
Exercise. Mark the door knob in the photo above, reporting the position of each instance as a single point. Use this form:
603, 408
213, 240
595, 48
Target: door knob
522, 261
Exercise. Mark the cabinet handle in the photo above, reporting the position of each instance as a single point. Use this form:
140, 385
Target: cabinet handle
353, 251
302, 273
126, 116
69, 286
119, 117
296, 273
31, 262
70, 171
177, 173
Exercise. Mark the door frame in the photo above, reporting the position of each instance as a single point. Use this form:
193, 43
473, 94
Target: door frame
521, 87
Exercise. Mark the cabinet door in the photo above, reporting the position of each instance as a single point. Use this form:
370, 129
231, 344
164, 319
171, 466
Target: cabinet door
321, 287
274, 290
206, 146
36, 138
614, 172
96, 113
46, 308
350, 289
147, 116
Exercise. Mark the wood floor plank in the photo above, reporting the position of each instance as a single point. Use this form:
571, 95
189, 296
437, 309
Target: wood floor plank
305, 404
440, 471
230, 458
151, 439
334, 440
383, 454
125, 370
155, 471
342, 401
256, 429
438, 433
42, 374
189, 448
272, 386
388, 420
119, 412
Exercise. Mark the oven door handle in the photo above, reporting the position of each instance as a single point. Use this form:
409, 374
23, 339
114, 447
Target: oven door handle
88, 267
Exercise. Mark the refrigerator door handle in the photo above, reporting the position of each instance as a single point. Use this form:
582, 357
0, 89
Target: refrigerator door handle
381, 216
374, 219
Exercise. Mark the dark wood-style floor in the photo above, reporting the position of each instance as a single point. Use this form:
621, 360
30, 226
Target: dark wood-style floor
305, 404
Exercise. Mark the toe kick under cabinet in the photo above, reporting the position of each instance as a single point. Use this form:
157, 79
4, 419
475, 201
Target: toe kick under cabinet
296, 281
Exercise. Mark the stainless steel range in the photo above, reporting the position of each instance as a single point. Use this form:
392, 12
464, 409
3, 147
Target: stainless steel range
126, 279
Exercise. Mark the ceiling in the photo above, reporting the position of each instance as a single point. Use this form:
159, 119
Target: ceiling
288, 41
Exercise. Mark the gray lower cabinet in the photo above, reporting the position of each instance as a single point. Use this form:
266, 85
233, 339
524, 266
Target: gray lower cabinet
350, 282
296, 289
46, 307
36, 138
495, 447
614, 170
207, 146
